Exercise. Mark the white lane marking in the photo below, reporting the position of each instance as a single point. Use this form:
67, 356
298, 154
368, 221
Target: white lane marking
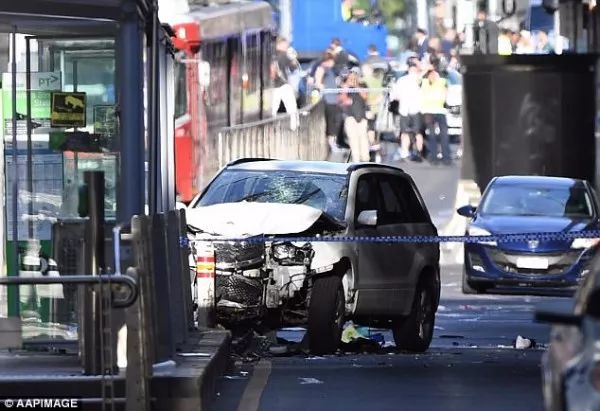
250, 400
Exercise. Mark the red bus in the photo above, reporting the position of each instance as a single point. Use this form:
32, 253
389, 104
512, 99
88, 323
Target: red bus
222, 79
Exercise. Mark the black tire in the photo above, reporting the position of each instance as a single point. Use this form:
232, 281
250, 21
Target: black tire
326, 315
415, 332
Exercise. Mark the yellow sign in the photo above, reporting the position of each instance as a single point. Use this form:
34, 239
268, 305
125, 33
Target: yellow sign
68, 109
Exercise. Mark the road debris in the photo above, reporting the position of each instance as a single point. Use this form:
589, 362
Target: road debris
310, 380
361, 340
522, 343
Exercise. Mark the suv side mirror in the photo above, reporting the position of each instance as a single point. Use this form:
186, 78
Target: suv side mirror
467, 211
367, 217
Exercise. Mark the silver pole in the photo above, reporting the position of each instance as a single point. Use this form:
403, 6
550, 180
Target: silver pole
15, 177
558, 43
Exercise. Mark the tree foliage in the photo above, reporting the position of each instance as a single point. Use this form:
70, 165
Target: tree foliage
391, 9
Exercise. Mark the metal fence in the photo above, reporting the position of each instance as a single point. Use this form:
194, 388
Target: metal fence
270, 138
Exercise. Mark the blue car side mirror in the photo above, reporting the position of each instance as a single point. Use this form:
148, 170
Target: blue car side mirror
467, 211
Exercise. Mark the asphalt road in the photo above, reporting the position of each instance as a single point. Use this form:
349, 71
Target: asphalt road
471, 364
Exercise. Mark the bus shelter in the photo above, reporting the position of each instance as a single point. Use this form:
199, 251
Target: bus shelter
86, 145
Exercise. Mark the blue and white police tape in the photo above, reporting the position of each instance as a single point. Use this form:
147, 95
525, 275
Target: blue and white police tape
355, 90
499, 238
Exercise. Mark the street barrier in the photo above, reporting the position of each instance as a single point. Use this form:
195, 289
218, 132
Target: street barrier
269, 138
205, 283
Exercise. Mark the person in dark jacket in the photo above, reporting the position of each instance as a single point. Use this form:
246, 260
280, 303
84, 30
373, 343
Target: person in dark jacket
343, 59
422, 42
326, 79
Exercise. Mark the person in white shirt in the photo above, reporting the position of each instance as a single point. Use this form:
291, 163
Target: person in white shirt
407, 91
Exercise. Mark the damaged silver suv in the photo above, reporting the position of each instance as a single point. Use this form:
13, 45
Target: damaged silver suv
320, 283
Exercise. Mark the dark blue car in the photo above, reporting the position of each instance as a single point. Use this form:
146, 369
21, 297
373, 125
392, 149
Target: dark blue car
528, 204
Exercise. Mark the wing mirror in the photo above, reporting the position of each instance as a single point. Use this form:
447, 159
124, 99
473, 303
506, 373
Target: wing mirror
467, 211
367, 217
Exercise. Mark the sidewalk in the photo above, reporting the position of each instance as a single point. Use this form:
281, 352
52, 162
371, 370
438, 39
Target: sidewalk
187, 383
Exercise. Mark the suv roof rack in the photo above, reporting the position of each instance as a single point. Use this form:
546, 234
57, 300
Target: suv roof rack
248, 160
354, 167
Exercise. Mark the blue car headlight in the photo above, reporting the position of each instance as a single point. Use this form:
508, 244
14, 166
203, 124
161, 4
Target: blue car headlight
584, 243
476, 231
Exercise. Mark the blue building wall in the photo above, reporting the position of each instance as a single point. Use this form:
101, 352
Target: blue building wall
316, 22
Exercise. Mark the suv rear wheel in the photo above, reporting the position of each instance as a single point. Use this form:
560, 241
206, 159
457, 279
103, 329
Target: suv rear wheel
326, 315
414, 333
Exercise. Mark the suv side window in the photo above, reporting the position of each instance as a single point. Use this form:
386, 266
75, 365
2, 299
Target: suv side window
367, 195
405, 190
394, 209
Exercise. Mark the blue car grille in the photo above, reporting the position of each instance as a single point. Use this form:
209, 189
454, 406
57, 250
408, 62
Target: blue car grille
559, 262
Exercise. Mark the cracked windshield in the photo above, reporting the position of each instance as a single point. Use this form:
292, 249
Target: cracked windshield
300, 204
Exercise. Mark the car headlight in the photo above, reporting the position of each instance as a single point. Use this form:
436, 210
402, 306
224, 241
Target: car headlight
284, 251
289, 254
476, 231
583, 243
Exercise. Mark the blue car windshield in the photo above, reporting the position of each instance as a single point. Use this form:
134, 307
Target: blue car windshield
327, 192
518, 200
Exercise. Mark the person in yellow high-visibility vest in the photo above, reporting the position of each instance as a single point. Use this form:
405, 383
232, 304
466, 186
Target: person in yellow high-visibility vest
433, 107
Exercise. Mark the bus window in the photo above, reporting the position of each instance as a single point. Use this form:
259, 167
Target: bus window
181, 107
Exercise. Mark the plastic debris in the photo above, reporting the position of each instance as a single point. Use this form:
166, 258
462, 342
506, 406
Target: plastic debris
360, 339
378, 338
304, 381
522, 343
350, 334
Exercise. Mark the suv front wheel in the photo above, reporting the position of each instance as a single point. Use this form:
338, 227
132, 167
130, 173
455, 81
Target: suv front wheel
326, 314
414, 333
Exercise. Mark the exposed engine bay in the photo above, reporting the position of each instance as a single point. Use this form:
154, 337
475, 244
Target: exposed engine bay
263, 278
